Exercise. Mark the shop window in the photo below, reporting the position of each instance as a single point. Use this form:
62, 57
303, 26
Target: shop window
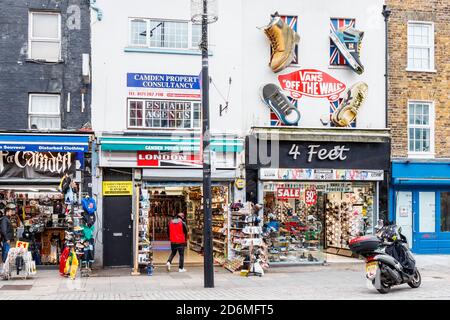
44, 111
302, 221
167, 34
427, 212
44, 38
167, 114
420, 46
336, 58
445, 211
420, 128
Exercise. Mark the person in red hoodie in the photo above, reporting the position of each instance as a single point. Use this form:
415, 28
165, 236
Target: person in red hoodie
177, 235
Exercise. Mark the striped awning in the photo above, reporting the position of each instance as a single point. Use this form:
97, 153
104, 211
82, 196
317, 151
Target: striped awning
164, 143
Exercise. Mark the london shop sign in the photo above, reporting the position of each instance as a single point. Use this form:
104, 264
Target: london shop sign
32, 164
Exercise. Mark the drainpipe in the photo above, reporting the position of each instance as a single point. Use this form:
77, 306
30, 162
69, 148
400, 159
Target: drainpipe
386, 13
99, 11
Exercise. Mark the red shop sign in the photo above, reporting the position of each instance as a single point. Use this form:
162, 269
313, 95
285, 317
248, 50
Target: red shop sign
167, 159
310, 197
288, 193
312, 83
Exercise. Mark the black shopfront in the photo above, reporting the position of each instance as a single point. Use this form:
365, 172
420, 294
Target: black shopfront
319, 188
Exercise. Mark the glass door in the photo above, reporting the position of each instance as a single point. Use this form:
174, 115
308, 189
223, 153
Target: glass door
425, 236
443, 219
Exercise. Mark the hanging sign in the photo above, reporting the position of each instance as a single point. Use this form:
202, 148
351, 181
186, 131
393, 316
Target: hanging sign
32, 164
312, 83
288, 193
310, 197
117, 188
167, 159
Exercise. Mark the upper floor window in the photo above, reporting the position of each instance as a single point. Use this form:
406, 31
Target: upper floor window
168, 34
420, 128
164, 114
44, 111
44, 36
420, 46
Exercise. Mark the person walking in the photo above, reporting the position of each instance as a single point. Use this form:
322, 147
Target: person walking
6, 229
177, 235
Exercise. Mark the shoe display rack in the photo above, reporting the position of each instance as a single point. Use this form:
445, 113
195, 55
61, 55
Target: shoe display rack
245, 236
219, 225
348, 215
145, 252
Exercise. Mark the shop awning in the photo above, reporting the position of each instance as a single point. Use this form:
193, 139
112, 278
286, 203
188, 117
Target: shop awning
44, 143
176, 144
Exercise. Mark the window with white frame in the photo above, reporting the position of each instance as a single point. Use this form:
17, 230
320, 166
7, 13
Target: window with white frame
44, 111
420, 127
168, 34
44, 37
157, 114
420, 46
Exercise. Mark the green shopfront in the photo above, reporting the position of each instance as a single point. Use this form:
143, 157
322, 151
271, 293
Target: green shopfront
160, 176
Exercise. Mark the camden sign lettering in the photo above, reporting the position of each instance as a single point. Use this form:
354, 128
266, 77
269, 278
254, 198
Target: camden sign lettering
32, 164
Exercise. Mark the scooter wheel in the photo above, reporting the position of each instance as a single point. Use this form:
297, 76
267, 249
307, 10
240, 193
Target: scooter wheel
416, 281
385, 288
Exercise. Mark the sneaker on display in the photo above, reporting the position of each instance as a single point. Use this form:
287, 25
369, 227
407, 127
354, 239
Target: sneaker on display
168, 266
349, 106
182, 270
272, 96
348, 41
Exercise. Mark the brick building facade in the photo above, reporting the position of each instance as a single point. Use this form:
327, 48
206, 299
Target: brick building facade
419, 118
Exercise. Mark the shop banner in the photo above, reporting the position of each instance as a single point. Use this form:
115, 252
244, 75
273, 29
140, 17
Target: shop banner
117, 188
316, 155
36, 165
167, 159
311, 83
288, 193
321, 174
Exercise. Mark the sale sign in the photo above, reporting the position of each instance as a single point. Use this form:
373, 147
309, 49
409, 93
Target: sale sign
22, 244
288, 193
312, 83
310, 197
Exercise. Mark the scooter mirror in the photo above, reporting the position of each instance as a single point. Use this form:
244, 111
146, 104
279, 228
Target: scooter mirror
399, 229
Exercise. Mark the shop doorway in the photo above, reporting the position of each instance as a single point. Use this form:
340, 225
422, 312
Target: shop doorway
118, 231
169, 200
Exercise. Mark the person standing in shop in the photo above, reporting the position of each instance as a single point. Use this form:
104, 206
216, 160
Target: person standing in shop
177, 235
6, 230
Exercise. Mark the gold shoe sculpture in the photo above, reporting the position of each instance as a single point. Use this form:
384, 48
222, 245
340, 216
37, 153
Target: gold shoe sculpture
282, 40
348, 109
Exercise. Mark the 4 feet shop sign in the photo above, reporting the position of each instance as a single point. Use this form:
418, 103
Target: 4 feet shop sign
311, 83
32, 164
168, 159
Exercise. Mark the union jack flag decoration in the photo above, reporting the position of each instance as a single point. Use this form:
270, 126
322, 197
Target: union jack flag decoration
336, 58
292, 22
333, 106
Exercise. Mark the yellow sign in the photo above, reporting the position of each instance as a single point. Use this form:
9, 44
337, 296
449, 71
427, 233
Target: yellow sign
240, 184
21, 244
117, 188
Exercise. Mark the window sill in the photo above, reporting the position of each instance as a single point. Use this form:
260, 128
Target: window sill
419, 70
421, 155
44, 61
190, 52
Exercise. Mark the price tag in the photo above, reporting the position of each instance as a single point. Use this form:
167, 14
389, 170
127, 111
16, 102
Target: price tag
21, 244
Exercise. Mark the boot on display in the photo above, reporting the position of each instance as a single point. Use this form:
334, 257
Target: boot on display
280, 104
348, 41
282, 40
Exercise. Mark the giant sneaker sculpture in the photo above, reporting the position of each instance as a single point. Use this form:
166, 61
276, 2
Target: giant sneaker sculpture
349, 106
273, 97
283, 40
348, 41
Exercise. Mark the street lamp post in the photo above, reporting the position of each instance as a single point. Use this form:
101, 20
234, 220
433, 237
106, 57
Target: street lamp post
205, 12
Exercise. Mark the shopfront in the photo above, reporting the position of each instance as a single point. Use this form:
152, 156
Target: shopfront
31, 167
165, 173
420, 204
319, 189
